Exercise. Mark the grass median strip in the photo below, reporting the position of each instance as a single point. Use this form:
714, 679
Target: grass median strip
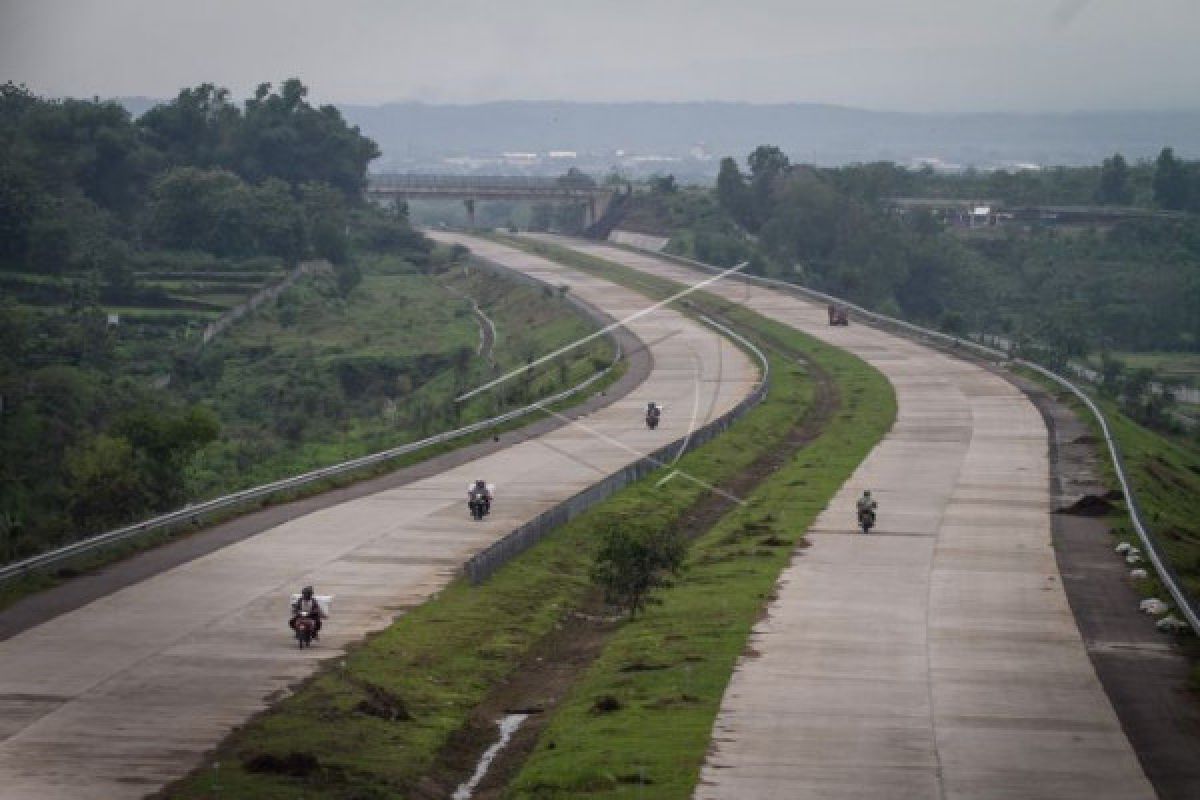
640, 718
375, 723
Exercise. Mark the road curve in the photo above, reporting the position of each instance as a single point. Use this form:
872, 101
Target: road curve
937, 657
115, 699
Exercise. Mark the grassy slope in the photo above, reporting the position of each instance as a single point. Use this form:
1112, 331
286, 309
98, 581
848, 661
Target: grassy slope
1166, 476
441, 659
395, 312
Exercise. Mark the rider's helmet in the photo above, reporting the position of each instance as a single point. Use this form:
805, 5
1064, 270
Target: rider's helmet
307, 592
481, 484
866, 492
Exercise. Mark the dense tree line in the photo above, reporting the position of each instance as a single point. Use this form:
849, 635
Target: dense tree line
1131, 286
1167, 183
82, 183
89, 196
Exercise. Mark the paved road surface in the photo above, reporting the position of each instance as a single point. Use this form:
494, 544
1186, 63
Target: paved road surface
937, 657
116, 698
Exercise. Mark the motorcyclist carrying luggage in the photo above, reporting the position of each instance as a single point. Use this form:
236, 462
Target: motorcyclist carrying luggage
306, 605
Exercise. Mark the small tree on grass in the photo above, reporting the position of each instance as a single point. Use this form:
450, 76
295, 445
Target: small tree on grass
635, 557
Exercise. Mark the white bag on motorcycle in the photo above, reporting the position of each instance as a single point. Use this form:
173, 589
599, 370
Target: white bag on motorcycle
325, 601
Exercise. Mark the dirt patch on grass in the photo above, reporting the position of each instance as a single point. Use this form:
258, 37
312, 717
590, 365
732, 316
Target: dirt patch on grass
1091, 505
295, 765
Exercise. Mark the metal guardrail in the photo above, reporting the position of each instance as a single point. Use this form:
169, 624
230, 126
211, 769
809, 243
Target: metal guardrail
1186, 604
484, 564
190, 512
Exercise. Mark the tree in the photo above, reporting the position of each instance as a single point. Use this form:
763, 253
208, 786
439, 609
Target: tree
1170, 181
767, 165
325, 212
105, 482
636, 555
20, 202
663, 184
195, 129
199, 209
279, 221
1114, 188
91, 146
163, 443
282, 136
732, 194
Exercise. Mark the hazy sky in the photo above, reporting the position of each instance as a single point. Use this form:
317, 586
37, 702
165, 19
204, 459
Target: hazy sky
882, 54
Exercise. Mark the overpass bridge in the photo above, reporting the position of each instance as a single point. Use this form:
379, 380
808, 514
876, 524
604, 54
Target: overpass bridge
470, 189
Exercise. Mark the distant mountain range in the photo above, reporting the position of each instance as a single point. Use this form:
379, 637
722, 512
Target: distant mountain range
420, 136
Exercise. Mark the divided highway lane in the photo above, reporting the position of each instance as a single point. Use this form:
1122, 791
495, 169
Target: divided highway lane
119, 697
937, 657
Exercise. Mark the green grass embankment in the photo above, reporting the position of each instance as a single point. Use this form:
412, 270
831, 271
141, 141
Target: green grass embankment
1165, 471
434, 666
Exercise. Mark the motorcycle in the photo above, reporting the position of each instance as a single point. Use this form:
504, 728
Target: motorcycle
479, 504
479, 499
866, 520
652, 417
305, 627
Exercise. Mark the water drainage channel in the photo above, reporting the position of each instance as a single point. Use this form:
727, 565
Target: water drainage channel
508, 726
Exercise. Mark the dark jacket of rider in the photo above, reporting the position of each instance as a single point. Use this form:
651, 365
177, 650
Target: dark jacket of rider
307, 606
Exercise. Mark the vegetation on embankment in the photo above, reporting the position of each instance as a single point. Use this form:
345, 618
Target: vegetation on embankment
1165, 473
318, 378
122, 238
374, 724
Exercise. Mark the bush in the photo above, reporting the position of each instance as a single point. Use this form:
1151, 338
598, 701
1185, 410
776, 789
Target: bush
636, 555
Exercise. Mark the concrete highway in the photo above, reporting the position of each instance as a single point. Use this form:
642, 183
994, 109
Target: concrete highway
118, 697
936, 657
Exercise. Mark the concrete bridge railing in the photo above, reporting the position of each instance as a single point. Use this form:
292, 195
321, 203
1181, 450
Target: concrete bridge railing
475, 188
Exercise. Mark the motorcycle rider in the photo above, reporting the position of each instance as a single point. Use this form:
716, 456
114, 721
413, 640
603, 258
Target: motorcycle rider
866, 504
306, 605
653, 413
482, 491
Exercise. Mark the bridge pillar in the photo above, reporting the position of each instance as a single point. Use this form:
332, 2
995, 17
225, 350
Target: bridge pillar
589, 213
470, 204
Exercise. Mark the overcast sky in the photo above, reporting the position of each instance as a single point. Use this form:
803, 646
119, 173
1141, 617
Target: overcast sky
922, 55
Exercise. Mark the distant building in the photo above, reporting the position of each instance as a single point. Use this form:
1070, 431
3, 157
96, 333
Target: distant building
563, 154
